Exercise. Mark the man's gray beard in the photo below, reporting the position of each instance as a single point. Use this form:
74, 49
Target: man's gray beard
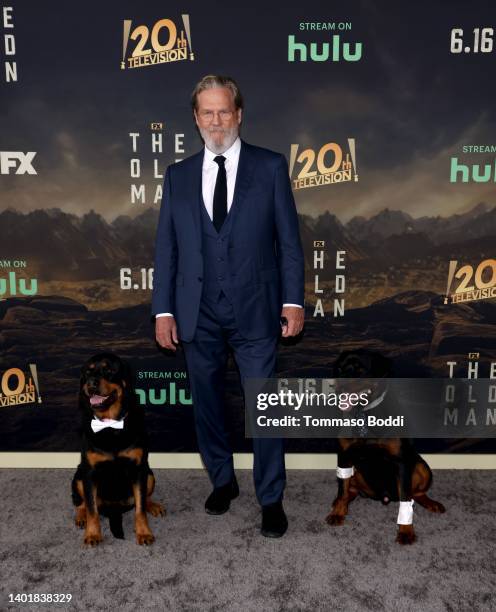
230, 136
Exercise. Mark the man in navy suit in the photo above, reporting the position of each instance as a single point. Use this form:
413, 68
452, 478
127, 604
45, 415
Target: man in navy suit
229, 273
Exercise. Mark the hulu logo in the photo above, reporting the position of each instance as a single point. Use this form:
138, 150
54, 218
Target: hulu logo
171, 396
321, 52
473, 172
15, 286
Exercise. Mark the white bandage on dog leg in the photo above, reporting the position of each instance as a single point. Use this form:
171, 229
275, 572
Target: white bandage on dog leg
405, 513
344, 472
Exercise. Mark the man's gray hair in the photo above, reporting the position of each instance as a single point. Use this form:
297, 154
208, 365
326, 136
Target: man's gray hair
215, 80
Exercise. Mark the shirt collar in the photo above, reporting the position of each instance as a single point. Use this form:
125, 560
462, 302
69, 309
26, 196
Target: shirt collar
231, 154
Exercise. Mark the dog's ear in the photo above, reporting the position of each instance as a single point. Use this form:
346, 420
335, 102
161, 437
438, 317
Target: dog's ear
382, 366
127, 375
343, 355
84, 405
375, 364
341, 358
82, 375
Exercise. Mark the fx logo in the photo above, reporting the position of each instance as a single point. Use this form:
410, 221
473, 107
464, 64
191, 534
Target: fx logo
17, 159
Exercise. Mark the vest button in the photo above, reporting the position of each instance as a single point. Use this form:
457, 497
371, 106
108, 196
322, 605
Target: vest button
200, 279
220, 259
220, 278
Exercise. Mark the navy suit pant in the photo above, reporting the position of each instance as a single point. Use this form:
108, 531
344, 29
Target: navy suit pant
206, 357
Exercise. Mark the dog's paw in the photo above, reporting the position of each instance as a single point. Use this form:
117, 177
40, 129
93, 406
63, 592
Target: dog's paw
335, 519
429, 504
80, 521
93, 539
80, 518
406, 534
155, 509
437, 507
145, 538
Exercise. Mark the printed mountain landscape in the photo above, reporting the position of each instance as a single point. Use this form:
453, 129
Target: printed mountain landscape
80, 257
396, 273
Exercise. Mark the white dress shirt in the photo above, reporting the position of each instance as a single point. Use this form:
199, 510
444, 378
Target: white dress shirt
209, 175
209, 178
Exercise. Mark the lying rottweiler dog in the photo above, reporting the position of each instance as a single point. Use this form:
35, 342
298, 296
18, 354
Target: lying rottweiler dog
113, 475
385, 469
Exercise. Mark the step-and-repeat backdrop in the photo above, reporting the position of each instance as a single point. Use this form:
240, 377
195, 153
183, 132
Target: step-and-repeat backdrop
386, 114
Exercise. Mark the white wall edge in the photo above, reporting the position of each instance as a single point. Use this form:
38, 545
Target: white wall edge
294, 461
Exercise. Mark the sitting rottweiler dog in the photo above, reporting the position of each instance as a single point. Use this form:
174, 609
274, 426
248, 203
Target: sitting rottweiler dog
385, 469
113, 475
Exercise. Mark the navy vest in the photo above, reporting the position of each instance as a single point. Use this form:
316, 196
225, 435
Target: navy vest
216, 276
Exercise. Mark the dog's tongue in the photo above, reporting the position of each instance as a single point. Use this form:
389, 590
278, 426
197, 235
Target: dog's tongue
97, 399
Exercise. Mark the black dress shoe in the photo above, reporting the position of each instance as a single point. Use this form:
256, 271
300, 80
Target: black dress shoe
274, 521
219, 500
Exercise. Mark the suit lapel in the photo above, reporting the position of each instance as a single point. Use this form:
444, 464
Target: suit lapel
194, 198
244, 176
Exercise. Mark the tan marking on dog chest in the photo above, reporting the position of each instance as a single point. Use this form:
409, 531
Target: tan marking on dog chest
136, 454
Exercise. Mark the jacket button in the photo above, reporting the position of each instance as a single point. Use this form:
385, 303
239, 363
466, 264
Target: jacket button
200, 279
220, 278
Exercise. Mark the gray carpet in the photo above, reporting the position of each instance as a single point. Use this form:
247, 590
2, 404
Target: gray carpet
201, 562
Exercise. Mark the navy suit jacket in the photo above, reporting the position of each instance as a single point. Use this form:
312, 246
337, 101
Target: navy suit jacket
266, 262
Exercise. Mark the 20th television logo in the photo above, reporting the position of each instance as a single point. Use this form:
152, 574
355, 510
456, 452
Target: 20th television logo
160, 44
327, 166
19, 387
476, 283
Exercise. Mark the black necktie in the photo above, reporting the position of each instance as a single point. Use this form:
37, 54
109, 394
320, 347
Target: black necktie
220, 194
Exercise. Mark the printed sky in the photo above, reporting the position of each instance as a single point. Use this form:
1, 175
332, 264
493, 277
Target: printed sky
409, 103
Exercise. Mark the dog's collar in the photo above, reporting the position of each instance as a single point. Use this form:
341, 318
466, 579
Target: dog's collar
376, 402
99, 424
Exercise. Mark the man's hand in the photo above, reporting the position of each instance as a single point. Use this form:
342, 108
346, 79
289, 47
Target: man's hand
295, 317
166, 332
